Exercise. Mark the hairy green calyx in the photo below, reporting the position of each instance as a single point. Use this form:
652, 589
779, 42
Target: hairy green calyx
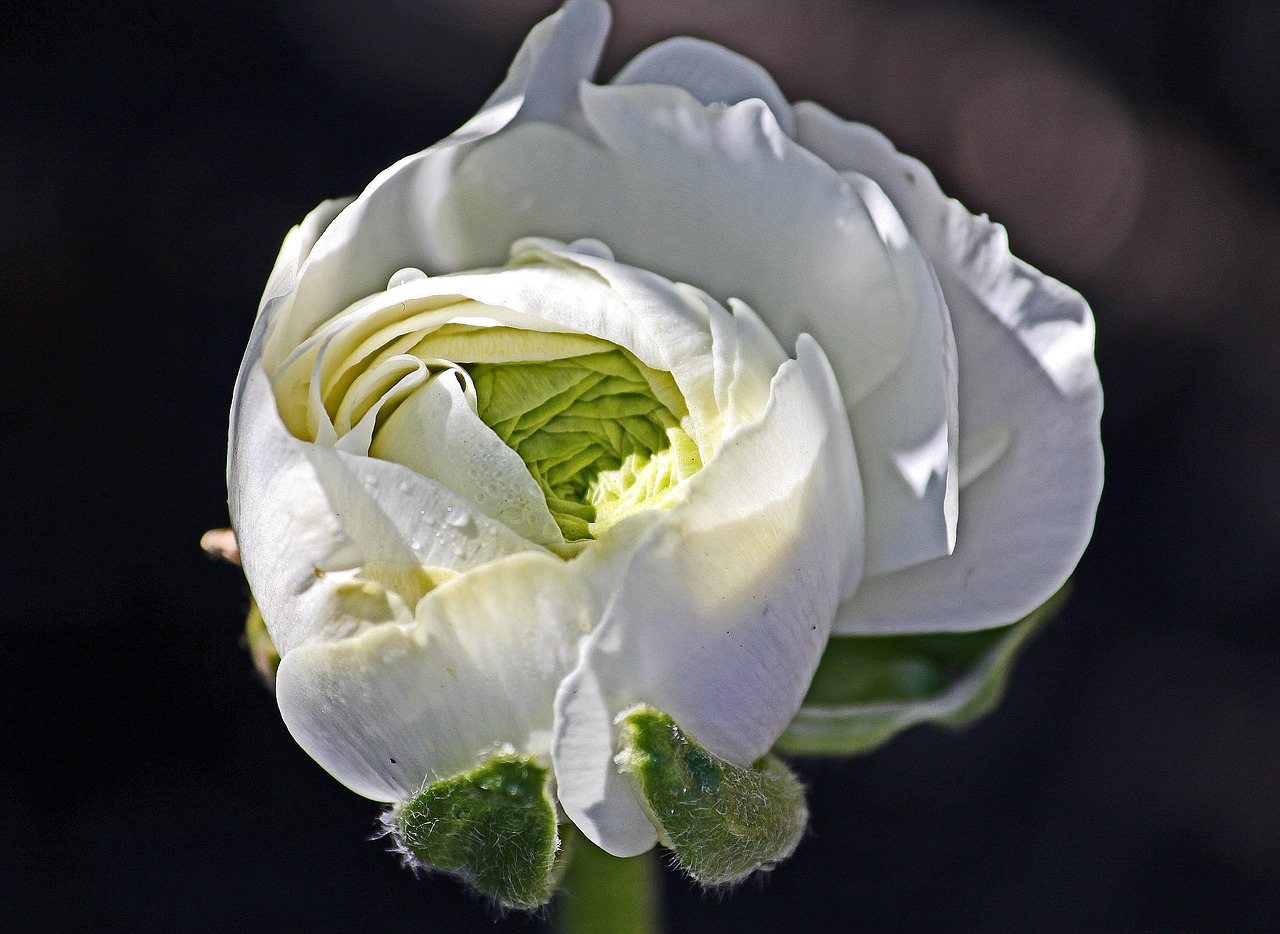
493, 827
722, 821
600, 432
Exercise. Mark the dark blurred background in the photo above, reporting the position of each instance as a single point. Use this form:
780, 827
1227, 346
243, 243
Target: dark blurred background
153, 154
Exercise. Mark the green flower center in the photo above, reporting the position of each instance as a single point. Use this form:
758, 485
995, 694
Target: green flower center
594, 431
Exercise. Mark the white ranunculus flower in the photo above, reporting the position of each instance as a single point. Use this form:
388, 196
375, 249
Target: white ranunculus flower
516, 452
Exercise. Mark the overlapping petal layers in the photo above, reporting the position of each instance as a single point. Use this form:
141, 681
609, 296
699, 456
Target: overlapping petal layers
434, 609
435, 596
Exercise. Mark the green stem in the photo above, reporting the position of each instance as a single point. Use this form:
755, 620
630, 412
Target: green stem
604, 894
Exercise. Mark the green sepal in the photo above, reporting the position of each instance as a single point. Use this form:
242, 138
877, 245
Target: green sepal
721, 821
494, 828
869, 688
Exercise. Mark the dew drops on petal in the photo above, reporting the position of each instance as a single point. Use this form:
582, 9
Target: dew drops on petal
591, 247
402, 276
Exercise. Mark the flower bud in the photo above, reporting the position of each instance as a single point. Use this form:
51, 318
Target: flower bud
559, 453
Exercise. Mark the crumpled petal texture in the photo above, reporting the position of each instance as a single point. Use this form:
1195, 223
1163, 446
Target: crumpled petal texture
926, 460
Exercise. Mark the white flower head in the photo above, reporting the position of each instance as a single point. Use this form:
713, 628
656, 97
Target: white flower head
578, 434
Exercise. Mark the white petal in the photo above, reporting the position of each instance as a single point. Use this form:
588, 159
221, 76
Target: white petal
1025, 347
710, 72
594, 794
654, 318
668, 326
301, 512
554, 290
297, 247
436, 433
907, 431
288, 535
476, 671
719, 607
395, 515
391, 225
716, 197
561, 52
408, 373
980, 449
756, 355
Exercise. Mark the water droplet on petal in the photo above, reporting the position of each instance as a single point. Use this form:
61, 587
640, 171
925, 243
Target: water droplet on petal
591, 247
456, 516
408, 274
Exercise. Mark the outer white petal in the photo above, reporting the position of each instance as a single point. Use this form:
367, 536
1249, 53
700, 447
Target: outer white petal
718, 197
1025, 346
717, 609
303, 512
297, 246
397, 705
559, 53
392, 224
710, 72
259, 445
907, 431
